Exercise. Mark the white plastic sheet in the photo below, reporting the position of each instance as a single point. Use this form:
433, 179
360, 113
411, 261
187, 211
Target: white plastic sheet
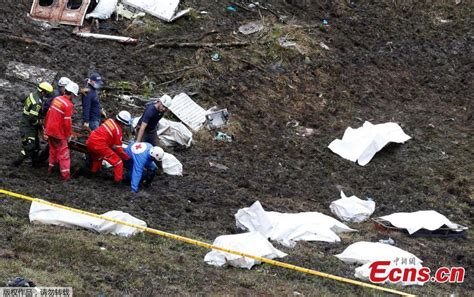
103, 10
352, 209
362, 143
366, 253
287, 228
173, 133
250, 243
162, 9
423, 219
49, 215
171, 165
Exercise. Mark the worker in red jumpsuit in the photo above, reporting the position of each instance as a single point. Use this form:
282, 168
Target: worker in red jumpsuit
58, 130
105, 143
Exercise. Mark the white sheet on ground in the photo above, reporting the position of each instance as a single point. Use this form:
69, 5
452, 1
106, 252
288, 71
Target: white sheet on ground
103, 10
352, 209
423, 219
45, 214
250, 243
173, 133
162, 9
366, 253
287, 228
362, 143
171, 165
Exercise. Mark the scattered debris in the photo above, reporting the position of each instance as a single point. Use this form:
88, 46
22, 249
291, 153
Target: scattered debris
188, 111
124, 12
61, 11
215, 57
302, 131
389, 241
221, 136
325, 22
163, 9
362, 143
250, 243
421, 223
218, 166
324, 46
121, 39
103, 10
292, 123
352, 209
49, 215
21, 282
231, 8
288, 228
286, 43
171, 165
217, 119
366, 253
29, 73
251, 28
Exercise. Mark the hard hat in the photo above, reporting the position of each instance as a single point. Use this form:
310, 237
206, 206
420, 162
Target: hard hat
166, 101
157, 153
124, 117
63, 81
72, 87
46, 87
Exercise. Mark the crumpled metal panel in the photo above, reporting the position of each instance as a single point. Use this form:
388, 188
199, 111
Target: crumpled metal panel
188, 111
59, 12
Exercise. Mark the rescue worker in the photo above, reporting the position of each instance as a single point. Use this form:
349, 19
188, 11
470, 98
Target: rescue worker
59, 91
142, 165
105, 143
91, 109
147, 125
31, 123
58, 130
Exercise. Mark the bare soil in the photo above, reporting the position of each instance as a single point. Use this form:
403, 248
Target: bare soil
400, 61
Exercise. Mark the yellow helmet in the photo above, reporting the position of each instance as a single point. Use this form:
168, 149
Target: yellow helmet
46, 87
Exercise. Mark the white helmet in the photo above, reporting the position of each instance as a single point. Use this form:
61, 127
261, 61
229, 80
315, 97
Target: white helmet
166, 101
72, 87
124, 117
63, 81
157, 153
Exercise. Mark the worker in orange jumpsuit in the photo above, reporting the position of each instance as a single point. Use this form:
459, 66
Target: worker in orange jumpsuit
105, 144
58, 130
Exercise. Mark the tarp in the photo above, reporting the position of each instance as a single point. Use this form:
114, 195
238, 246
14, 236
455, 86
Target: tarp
362, 143
250, 243
423, 219
49, 215
162, 9
352, 209
366, 253
103, 10
173, 133
287, 228
171, 165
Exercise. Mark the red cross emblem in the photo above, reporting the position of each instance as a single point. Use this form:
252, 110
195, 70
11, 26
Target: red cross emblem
138, 146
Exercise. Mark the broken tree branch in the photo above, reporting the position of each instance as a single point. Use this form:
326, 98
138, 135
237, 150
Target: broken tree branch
26, 40
192, 45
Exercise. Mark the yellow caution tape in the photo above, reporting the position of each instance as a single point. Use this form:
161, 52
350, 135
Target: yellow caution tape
207, 245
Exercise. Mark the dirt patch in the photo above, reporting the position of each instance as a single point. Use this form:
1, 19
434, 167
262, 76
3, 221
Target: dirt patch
386, 62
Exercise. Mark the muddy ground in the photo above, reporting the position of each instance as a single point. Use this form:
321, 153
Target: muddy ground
399, 61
